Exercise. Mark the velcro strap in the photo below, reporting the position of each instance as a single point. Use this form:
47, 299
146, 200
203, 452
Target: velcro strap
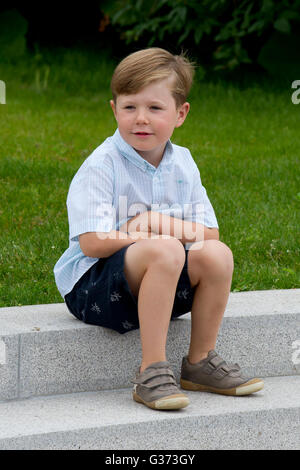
221, 372
151, 373
222, 369
159, 381
216, 361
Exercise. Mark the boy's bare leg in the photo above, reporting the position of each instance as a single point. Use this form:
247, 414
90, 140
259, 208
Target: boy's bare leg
210, 269
152, 268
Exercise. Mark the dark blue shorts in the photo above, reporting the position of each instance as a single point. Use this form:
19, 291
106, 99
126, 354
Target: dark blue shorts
102, 296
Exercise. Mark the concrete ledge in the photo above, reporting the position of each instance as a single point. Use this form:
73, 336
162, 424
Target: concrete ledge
44, 350
269, 419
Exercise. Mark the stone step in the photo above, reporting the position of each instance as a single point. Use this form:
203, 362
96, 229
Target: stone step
44, 350
111, 420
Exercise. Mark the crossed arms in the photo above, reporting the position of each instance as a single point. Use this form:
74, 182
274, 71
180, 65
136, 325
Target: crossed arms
148, 225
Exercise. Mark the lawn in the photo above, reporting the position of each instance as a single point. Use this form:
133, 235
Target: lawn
245, 140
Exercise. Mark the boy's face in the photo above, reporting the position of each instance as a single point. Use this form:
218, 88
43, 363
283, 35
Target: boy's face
147, 119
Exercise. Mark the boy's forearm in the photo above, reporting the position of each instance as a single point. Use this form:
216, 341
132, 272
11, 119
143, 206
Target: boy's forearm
146, 225
105, 244
183, 230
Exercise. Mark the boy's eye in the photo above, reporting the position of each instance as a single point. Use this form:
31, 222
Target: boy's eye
132, 107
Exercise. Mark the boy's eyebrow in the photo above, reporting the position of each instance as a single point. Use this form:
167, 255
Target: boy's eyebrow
154, 101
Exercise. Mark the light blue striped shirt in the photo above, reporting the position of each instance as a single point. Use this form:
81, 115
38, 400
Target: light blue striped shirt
114, 184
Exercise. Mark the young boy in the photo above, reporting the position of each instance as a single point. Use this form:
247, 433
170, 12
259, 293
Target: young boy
130, 263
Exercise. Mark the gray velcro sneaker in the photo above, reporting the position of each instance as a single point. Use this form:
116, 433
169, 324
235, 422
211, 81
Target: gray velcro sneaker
156, 388
213, 374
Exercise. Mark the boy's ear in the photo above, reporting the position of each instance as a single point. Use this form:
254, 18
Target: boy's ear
113, 107
182, 113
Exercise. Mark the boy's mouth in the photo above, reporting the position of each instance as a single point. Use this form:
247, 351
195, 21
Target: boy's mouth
142, 133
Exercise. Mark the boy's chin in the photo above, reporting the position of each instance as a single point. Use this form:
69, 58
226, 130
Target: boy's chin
143, 146
145, 149
142, 149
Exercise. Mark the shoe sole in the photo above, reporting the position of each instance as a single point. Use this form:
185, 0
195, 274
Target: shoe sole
252, 386
172, 402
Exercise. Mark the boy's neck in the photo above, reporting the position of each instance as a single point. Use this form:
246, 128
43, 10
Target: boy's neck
153, 156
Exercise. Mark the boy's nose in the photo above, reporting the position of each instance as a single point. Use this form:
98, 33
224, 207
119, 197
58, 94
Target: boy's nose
141, 117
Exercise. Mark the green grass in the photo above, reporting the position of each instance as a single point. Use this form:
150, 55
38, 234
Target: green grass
245, 140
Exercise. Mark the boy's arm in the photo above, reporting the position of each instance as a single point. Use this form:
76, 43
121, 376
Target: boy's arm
104, 244
147, 225
162, 224
183, 230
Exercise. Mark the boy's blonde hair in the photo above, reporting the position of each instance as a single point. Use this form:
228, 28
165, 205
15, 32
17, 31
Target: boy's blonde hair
146, 66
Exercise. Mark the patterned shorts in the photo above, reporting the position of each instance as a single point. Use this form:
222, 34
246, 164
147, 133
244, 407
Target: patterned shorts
102, 296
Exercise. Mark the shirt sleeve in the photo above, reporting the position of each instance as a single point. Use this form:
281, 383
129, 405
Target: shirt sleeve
200, 208
90, 199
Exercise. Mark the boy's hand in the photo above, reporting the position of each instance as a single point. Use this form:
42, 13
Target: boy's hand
157, 223
148, 221
137, 236
139, 223
153, 222
184, 230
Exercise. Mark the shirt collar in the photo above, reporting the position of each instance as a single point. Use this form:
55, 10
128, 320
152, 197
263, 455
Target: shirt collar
128, 152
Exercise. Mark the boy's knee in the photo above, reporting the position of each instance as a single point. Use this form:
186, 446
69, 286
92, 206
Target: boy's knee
216, 256
222, 255
168, 252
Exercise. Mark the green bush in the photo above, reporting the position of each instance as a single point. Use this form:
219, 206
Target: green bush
227, 33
